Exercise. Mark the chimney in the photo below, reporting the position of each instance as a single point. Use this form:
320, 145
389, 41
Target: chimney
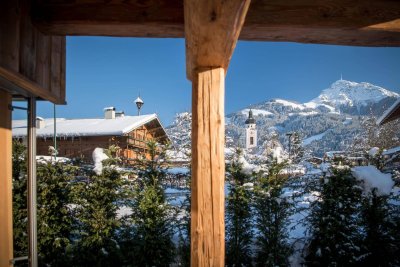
119, 114
40, 123
109, 113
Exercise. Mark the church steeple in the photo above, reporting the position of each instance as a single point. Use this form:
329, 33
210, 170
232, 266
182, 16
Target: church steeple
250, 119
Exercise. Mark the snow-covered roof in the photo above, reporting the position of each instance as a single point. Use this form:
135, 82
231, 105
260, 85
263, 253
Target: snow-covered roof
386, 117
85, 127
391, 151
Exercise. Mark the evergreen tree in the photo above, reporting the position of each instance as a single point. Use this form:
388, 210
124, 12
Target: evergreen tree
272, 217
55, 220
98, 199
152, 214
238, 214
297, 150
20, 215
381, 242
334, 221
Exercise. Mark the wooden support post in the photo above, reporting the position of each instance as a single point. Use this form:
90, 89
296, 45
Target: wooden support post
6, 228
208, 168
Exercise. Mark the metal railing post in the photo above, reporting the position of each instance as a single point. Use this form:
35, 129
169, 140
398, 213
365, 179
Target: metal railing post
32, 216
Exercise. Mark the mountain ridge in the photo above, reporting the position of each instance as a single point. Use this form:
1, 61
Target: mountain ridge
328, 122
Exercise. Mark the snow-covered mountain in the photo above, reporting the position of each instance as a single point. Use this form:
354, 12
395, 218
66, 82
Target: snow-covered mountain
352, 97
328, 122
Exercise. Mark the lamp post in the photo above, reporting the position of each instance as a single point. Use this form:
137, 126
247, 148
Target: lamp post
139, 103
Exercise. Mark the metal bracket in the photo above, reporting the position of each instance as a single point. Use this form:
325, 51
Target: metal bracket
23, 258
11, 107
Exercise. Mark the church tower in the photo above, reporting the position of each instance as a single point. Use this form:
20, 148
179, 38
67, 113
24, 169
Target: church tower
251, 131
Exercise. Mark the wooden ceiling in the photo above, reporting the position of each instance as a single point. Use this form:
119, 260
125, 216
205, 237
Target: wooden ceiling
339, 22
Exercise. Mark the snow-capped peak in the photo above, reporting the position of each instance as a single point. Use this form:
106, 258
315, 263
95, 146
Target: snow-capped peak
347, 93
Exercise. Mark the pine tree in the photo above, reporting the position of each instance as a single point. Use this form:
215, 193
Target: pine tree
272, 217
381, 243
334, 221
152, 214
238, 214
98, 199
20, 215
297, 150
55, 218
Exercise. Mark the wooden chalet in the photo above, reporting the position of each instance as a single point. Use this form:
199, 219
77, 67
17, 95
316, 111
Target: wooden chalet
32, 66
77, 138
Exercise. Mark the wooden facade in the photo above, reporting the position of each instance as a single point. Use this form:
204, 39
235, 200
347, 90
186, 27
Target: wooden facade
32, 64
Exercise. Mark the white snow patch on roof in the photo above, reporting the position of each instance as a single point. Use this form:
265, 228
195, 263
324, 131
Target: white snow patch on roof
85, 127
373, 178
391, 151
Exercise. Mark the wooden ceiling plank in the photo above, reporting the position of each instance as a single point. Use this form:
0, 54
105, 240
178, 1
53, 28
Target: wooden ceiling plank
339, 22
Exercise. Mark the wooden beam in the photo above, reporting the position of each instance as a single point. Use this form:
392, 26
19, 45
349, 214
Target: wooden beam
17, 83
208, 169
6, 227
342, 22
212, 29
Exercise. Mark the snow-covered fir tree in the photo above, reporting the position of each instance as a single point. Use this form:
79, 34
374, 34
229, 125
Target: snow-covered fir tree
272, 212
20, 214
334, 223
380, 220
238, 213
152, 215
55, 217
296, 149
98, 197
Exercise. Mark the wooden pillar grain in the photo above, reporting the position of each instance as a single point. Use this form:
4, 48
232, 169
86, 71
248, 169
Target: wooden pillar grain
208, 168
6, 228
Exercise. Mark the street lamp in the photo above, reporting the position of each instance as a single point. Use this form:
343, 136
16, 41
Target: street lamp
139, 103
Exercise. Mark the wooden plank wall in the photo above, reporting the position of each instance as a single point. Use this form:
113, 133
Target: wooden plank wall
33, 62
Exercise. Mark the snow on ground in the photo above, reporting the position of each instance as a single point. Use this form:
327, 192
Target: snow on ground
294, 170
177, 156
123, 211
304, 113
98, 156
45, 159
348, 121
314, 105
373, 178
176, 170
257, 112
289, 104
313, 138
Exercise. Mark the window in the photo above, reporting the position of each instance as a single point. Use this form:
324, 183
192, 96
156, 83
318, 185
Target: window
251, 140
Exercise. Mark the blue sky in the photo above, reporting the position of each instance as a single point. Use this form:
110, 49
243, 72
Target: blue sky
105, 71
